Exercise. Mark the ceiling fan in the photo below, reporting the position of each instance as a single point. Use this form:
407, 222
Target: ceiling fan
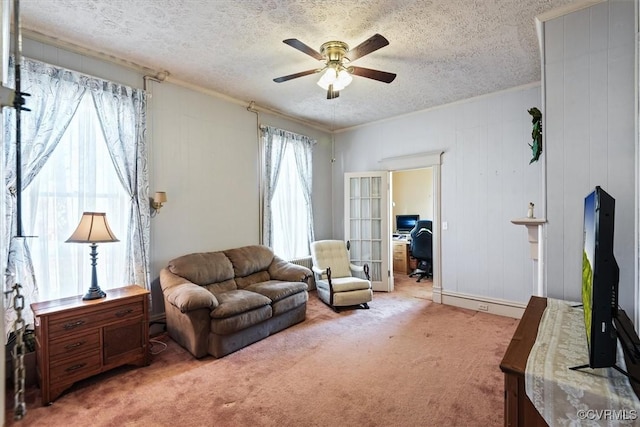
336, 71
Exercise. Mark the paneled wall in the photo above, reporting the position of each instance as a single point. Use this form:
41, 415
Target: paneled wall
589, 119
486, 182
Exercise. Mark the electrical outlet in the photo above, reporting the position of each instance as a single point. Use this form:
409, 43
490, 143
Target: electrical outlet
483, 307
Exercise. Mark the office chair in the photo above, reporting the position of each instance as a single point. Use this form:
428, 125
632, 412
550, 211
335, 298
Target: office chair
422, 249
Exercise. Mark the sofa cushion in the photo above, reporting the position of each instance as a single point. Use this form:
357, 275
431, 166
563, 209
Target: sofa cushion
247, 281
236, 302
249, 259
203, 268
289, 303
218, 288
276, 290
230, 325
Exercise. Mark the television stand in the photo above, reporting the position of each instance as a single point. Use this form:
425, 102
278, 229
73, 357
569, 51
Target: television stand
519, 410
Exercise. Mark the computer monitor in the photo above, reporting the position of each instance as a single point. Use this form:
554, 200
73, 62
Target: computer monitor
405, 223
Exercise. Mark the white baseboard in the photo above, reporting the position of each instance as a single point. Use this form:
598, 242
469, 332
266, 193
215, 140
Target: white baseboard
474, 302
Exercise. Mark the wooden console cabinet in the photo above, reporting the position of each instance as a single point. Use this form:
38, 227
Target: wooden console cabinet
518, 409
76, 339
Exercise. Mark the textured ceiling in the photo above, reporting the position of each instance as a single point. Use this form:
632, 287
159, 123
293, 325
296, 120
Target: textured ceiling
441, 50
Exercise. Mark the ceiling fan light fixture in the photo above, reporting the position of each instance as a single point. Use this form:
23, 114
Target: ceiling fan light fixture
344, 78
339, 80
328, 78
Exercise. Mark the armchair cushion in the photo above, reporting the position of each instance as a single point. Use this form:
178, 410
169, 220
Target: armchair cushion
346, 284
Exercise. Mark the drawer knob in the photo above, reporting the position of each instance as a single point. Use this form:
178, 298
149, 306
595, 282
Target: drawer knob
72, 325
124, 312
74, 345
75, 367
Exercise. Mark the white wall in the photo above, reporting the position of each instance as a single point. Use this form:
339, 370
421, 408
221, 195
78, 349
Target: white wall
589, 118
412, 192
486, 182
204, 154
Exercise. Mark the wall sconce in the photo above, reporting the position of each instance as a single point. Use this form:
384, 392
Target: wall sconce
158, 200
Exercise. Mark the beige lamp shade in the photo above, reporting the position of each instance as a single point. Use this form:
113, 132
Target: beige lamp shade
160, 197
93, 228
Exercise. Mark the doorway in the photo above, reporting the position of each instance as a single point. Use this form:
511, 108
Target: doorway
411, 195
431, 160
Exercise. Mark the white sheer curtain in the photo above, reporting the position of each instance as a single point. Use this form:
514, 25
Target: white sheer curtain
288, 213
78, 177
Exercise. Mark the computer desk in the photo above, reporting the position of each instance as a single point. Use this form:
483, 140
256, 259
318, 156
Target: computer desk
401, 256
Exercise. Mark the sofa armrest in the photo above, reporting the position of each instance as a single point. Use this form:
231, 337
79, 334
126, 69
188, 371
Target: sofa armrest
288, 271
183, 294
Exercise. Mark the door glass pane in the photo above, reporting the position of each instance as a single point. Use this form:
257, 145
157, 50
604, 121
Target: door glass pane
375, 209
355, 188
366, 229
366, 208
366, 251
365, 187
354, 208
376, 251
355, 251
355, 229
376, 229
375, 187
375, 271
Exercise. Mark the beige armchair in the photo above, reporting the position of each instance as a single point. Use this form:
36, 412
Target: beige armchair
335, 283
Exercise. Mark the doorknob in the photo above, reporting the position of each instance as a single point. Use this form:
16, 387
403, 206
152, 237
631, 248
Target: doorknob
348, 244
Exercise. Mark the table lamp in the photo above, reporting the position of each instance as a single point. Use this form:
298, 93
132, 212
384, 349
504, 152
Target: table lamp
93, 228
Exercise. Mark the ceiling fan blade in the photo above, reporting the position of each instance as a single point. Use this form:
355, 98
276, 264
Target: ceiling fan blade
372, 44
381, 76
296, 75
332, 94
297, 44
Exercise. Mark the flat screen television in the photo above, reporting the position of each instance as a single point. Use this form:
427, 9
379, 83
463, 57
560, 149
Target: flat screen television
405, 223
600, 275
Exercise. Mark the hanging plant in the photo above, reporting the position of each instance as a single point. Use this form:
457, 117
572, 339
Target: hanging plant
536, 134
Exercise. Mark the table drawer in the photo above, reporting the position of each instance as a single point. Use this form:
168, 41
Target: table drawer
67, 347
81, 322
80, 367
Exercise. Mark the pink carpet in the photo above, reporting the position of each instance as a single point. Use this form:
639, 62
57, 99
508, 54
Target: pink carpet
404, 362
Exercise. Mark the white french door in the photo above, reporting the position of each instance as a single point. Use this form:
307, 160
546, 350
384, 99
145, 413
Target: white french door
366, 212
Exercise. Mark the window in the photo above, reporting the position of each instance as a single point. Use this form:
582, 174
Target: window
79, 176
83, 148
287, 219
